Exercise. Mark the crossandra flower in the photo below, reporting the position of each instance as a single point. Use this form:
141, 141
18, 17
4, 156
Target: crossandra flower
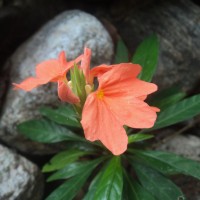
118, 101
53, 70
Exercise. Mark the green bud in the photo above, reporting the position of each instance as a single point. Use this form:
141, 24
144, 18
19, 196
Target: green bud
78, 83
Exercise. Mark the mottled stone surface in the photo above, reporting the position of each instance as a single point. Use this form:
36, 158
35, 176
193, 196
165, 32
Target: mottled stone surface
70, 31
178, 26
19, 178
187, 146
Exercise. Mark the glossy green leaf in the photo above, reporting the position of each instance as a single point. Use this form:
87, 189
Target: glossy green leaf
63, 158
147, 56
111, 181
69, 189
157, 184
169, 163
121, 55
165, 98
138, 137
134, 191
83, 146
46, 131
64, 115
75, 168
178, 112
93, 186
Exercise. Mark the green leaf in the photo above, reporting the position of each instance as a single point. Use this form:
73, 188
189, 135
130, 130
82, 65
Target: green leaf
73, 169
62, 159
147, 56
46, 131
70, 188
181, 111
132, 190
83, 146
169, 163
110, 182
64, 115
121, 55
138, 137
157, 184
93, 186
165, 98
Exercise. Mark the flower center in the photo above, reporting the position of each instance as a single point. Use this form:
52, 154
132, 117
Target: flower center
100, 94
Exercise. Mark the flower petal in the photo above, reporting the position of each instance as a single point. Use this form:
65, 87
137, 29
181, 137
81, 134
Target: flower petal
85, 63
121, 80
28, 84
72, 62
142, 97
65, 94
100, 70
54, 70
155, 109
100, 124
131, 111
121, 72
62, 59
49, 70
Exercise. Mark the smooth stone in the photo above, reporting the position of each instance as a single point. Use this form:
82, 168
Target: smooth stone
187, 146
19, 178
178, 28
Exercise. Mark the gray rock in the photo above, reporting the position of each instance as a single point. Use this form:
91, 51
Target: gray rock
70, 31
178, 27
19, 178
187, 146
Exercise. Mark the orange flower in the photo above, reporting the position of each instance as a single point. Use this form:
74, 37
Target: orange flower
118, 101
52, 71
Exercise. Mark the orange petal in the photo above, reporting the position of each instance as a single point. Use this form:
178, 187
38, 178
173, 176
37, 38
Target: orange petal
100, 124
49, 70
121, 80
85, 63
121, 72
142, 97
101, 69
65, 94
28, 84
71, 63
62, 59
131, 111
120, 75
54, 70
155, 109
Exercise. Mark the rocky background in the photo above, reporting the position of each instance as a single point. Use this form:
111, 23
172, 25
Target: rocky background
34, 30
